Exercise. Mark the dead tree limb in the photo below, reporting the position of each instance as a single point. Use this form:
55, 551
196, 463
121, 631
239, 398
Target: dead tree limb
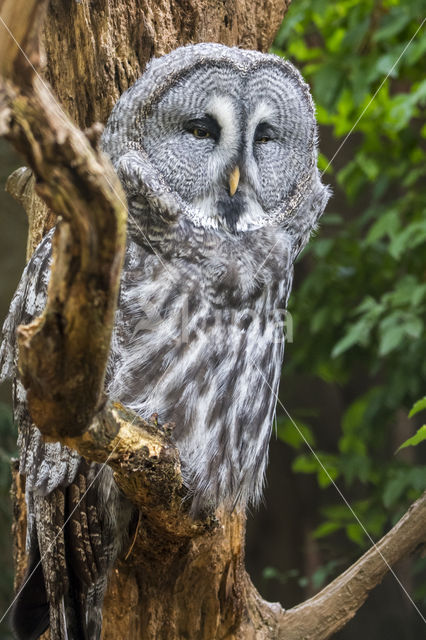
185, 577
328, 611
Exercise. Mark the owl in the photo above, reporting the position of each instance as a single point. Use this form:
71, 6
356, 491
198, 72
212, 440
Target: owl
216, 149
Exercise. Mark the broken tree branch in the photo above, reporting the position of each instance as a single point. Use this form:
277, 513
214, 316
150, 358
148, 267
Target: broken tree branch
323, 615
146, 467
63, 353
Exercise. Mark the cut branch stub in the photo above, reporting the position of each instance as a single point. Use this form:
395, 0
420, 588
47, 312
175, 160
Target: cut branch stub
146, 467
20, 185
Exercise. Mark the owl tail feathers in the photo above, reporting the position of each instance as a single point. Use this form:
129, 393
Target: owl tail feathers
30, 612
80, 612
77, 616
94, 602
74, 619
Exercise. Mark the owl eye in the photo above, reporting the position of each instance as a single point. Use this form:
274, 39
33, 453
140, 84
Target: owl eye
264, 133
198, 132
203, 128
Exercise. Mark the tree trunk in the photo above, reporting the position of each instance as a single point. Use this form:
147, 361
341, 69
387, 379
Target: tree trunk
180, 590
179, 579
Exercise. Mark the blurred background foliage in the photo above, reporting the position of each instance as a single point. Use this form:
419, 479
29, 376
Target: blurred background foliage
359, 311
358, 360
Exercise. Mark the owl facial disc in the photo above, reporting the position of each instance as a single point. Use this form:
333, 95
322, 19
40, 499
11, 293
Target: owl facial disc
229, 134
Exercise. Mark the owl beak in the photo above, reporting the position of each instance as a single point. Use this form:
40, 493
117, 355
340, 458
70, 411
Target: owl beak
234, 179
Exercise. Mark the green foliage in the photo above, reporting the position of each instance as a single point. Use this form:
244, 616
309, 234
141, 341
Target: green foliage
294, 435
318, 578
359, 313
420, 435
420, 405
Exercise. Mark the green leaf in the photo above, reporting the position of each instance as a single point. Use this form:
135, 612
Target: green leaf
419, 436
326, 475
420, 405
304, 464
326, 529
355, 533
369, 166
324, 465
412, 236
357, 333
403, 480
387, 224
296, 437
393, 491
328, 81
395, 328
392, 24
391, 339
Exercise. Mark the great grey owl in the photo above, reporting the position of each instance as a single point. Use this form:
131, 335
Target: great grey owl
216, 149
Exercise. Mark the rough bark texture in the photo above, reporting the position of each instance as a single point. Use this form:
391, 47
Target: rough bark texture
179, 579
105, 44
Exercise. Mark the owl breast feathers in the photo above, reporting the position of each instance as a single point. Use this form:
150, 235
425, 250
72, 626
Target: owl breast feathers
216, 150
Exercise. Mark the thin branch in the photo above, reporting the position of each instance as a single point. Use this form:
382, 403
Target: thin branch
331, 609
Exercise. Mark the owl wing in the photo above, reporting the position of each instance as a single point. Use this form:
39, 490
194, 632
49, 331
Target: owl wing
70, 547
45, 465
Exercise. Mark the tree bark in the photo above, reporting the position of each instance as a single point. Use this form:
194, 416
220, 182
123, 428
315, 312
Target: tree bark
179, 578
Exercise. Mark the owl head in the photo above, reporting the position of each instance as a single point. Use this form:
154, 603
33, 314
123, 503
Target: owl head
221, 136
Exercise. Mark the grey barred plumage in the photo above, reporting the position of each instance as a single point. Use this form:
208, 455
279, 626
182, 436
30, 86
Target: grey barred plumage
216, 149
